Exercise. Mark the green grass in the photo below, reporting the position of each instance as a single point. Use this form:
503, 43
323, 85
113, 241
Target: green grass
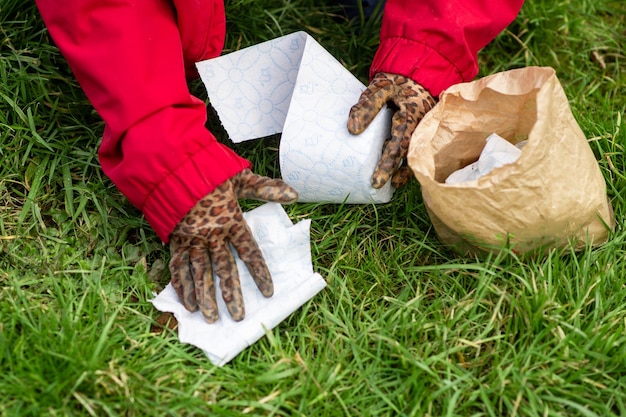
405, 326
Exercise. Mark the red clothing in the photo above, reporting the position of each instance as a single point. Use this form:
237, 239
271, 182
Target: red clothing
130, 57
127, 56
436, 42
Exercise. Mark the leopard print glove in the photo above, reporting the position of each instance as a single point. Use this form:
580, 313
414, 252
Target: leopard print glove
202, 239
413, 101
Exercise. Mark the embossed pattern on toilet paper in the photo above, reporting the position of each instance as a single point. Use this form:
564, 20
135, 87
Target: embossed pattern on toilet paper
293, 85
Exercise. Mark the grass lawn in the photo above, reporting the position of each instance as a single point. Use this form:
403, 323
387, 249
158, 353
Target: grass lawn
405, 327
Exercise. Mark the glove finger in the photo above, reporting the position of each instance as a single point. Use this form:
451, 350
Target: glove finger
403, 124
226, 270
372, 99
253, 186
415, 103
402, 176
388, 163
182, 279
249, 252
202, 273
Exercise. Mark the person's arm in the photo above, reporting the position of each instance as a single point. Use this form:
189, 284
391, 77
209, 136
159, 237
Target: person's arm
425, 47
128, 58
436, 42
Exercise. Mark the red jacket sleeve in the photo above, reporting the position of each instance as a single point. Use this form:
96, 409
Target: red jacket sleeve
128, 58
436, 42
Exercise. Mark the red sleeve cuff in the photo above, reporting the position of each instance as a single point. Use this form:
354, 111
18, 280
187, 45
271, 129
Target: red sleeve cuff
165, 163
179, 192
427, 67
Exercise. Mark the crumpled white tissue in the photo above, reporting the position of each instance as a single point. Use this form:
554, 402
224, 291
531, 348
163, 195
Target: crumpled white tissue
287, 251
496, 153
293, 85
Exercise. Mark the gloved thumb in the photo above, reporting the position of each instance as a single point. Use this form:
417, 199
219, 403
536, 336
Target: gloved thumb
250, 185
372, 99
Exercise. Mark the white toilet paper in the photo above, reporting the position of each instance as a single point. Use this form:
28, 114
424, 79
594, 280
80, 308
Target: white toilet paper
293, 85
496, 153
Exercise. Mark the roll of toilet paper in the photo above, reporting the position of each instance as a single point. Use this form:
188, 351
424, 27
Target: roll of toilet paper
293, 85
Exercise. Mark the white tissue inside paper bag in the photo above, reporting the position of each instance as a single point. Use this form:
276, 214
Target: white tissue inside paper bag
496, 153
293, 85
286, 249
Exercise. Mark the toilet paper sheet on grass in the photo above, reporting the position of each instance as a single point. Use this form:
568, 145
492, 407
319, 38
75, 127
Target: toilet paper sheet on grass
293, 85
287, 251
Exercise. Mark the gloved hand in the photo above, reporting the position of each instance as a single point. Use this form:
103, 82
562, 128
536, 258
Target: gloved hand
202, 238
412, 101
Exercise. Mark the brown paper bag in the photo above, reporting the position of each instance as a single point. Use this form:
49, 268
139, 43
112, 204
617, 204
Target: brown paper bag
552, 195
